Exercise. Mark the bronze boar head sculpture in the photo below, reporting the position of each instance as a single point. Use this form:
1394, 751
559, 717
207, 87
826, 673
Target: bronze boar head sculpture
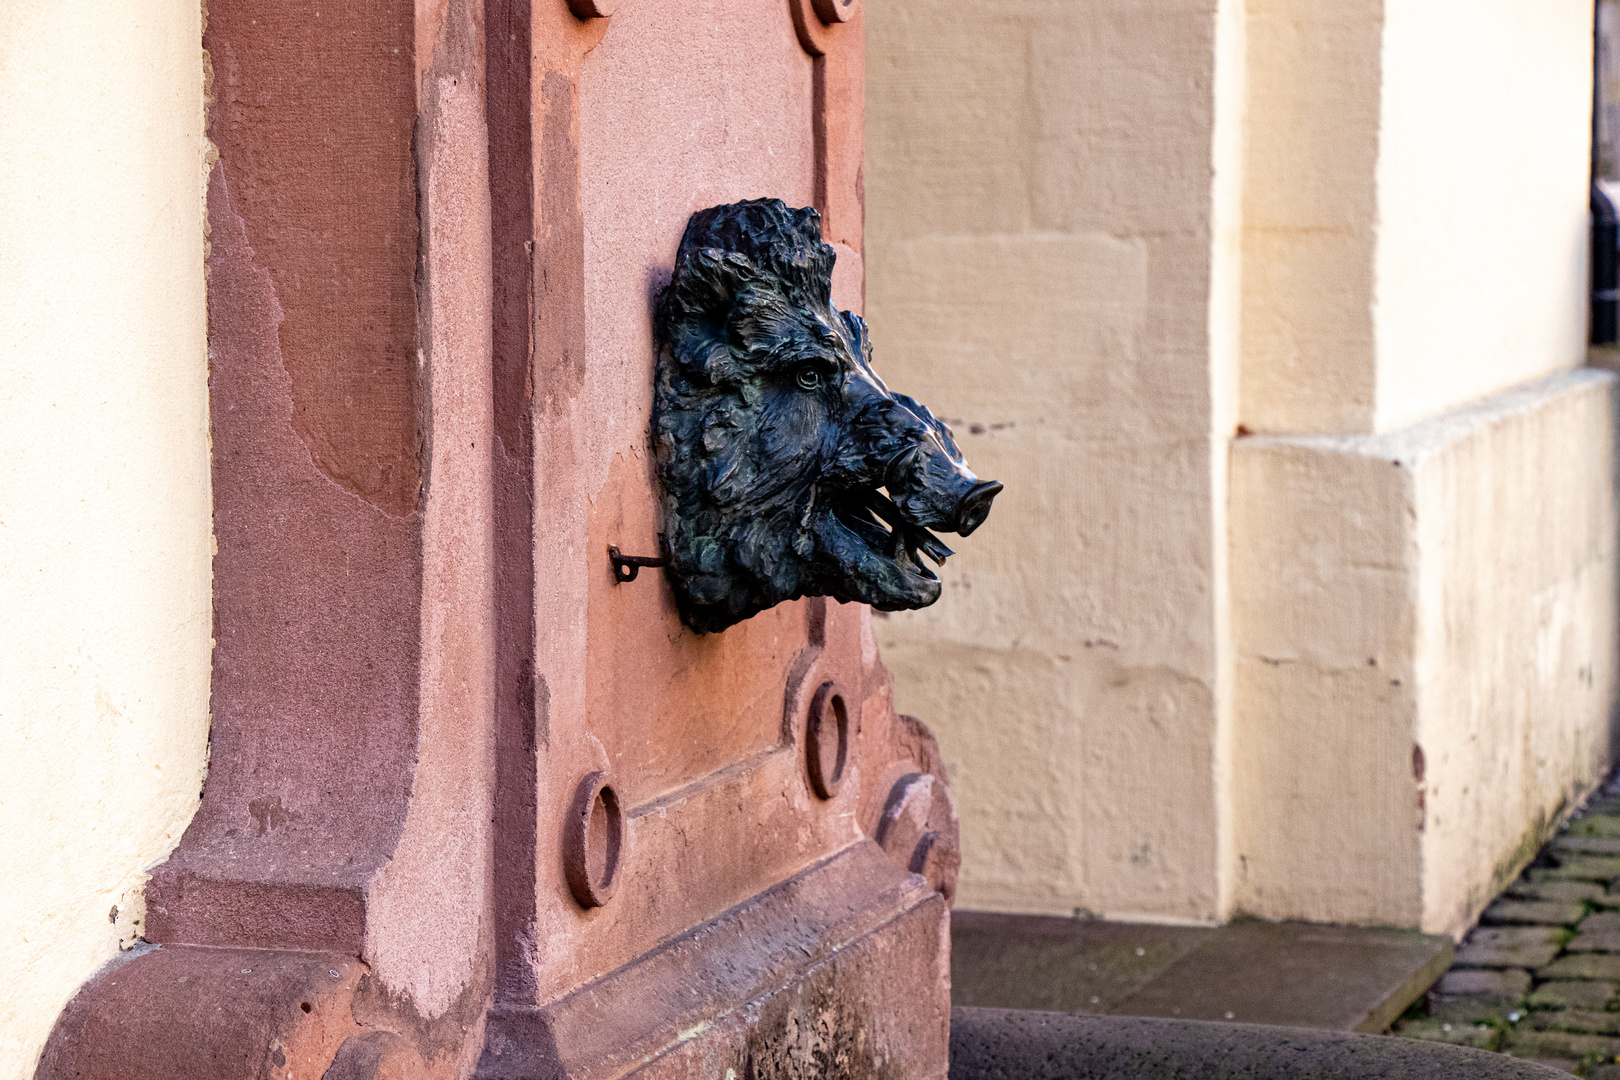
788, 469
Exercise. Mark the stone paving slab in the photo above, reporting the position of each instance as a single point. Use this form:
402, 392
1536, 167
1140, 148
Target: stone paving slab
1542, 971
1482, 1036
1510, 947
1342, 978
1055, 964
1584, 1020
1572, 994
1568, 891
1561, 1044
1511, 985
1533, 912
1587, 845
1573, 867
1583, 966
1339, 978
1607, 941
1593, 826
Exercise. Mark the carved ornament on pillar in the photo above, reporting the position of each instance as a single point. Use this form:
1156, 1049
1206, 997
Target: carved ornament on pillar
592, 9
818, 22
775, 440
831, 12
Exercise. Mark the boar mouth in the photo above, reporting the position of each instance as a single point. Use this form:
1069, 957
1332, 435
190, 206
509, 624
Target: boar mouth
884, 528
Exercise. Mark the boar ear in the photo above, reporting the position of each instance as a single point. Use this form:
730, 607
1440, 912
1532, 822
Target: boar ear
693, 310
855, 328
704, 286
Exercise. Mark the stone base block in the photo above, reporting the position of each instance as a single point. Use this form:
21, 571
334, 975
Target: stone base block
835, 972
1424, 631
988, 1044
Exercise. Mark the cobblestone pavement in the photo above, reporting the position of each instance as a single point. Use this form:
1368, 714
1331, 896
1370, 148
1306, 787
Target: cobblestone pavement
1540, 976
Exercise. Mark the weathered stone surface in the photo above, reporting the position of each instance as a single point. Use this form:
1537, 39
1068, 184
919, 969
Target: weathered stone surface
1338, 977
1482, 1036
1534, 912
1560, 1044
1511, 985
1603, 868
1343, 978
1003, 1044
288, 1012
1058, 964
1604, 922
1473, 1008
1583, 1020
1509, 947
1596, 826
1588, 845
1607, 941
1566, 891
1583, 966
1573, 994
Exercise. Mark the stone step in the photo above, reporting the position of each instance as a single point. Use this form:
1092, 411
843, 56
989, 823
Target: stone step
1300, 974
998, 1044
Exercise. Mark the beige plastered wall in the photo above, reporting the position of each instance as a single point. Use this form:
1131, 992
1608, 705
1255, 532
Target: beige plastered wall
1483, 173
1414, 213
104, 482
1050, 267
1426, 630
1157, 265
1422, 555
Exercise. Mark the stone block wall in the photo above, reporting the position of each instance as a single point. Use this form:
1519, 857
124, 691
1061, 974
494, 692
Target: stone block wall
1043, 258
1424, 627
1181, 275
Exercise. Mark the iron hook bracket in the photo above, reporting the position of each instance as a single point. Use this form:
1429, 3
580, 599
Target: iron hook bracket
626, 567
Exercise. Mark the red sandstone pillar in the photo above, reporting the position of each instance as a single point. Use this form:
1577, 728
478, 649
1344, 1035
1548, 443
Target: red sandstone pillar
436, 231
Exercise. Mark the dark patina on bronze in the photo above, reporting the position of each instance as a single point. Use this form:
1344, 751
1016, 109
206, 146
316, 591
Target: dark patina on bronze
788, 468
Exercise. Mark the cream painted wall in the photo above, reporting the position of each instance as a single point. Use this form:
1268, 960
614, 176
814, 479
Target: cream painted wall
1043, 270
1424, 650
1309, 215
1516, 659
1415, 205
1099, 237
1425, 626
1482, 198
104, 484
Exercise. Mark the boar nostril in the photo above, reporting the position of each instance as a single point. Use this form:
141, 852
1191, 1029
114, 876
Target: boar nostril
975, 506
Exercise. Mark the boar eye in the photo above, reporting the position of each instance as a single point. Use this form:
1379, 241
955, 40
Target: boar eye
808, 378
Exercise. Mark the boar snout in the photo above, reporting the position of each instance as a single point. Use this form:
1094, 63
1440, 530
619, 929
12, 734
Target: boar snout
975, 505
936, 490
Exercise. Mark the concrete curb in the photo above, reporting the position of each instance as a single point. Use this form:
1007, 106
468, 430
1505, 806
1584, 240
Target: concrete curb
1013, 1044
